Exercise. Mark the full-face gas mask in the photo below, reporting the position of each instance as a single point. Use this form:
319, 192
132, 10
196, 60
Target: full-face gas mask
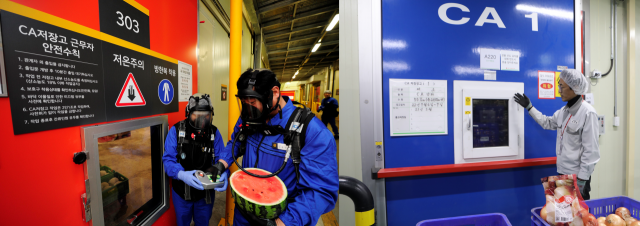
254, 106
255, 101
199, 111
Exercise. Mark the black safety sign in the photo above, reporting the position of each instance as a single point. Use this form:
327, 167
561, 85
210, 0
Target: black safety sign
59, 78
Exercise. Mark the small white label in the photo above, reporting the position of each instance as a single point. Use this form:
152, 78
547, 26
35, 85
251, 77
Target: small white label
489, 75
281, 146
181, 134
560, 68
294, 126
589, 99
490, 59
563, 213
212, 137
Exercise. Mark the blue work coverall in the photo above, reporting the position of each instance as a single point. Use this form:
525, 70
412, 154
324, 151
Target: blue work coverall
185, 210
317, 191
329, 108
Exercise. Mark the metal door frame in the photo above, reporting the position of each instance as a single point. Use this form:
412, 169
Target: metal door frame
371, 105
89, 136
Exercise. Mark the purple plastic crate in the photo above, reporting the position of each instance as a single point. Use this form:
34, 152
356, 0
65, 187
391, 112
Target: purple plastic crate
597, 207
491, 219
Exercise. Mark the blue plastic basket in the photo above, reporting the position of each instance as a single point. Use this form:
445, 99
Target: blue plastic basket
491, 219
597, 207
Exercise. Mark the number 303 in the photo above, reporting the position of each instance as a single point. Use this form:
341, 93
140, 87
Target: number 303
127, 22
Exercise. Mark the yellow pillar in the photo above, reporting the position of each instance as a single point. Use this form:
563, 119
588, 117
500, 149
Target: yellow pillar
235, 60
631, 98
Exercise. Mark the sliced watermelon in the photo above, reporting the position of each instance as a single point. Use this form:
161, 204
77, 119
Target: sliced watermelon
263, 197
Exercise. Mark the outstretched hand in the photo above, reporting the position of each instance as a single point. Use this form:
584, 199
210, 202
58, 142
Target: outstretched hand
523, 100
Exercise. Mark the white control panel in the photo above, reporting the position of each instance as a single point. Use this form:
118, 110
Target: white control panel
488, 123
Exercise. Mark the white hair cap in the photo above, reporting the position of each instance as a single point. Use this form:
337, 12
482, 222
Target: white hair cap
575, 80
327, 91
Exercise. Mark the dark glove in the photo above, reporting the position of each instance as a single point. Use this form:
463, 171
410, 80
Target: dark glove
216, 169
523, 100
581, 184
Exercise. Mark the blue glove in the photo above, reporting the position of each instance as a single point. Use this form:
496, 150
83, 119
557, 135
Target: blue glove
223, 177
189, 178
581, 184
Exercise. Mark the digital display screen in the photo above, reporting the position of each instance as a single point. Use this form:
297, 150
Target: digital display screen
490, 123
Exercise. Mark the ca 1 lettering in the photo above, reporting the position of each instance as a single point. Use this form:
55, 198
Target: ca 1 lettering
484, 17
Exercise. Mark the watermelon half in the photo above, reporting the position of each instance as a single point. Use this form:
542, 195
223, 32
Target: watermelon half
263, 197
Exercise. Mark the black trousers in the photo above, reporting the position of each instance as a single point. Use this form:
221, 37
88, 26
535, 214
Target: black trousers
587, 189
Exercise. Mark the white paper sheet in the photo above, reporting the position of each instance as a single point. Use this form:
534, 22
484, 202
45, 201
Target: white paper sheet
490, 59
185, 73
418, 107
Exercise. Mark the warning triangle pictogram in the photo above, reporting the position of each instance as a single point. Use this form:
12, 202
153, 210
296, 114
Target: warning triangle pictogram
130, 95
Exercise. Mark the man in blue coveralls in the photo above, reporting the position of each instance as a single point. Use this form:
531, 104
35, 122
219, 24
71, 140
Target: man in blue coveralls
315, 192
194, 144
329, 108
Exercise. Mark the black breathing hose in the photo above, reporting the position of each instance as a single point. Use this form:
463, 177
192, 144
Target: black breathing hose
233, 150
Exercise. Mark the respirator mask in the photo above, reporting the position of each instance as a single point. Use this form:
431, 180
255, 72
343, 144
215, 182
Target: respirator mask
199, 111
255, 107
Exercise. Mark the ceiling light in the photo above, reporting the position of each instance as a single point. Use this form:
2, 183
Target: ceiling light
316, 48
333, 22
294, 75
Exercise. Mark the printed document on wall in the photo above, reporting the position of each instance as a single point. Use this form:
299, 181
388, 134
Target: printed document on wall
546, 85
418, 107
509, 60
185, 73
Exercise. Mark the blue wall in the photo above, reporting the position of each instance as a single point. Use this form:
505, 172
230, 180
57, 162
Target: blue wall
438, 50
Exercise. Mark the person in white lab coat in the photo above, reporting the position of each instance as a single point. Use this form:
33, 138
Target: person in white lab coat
577, 129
